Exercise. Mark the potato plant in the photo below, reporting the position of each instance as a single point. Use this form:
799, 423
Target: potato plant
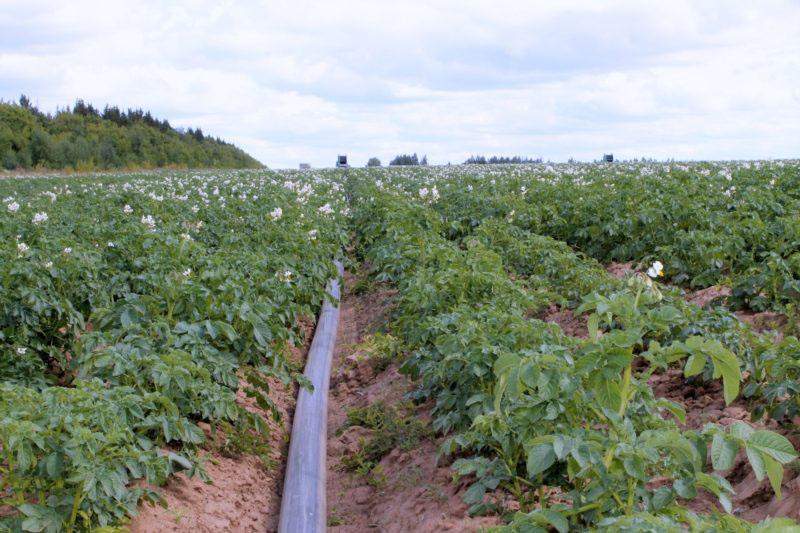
134, 306
129, 306
529, 409
733, 223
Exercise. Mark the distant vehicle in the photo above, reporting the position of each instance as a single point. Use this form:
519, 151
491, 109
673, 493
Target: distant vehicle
608, 158
304, 166
341, 161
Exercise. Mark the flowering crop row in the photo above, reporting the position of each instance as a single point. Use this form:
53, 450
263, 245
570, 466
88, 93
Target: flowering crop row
568, 426
733, 223
129, 305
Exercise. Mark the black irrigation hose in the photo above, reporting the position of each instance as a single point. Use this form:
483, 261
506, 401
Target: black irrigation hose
303, 506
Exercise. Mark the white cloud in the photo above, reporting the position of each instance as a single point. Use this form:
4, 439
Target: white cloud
302, 81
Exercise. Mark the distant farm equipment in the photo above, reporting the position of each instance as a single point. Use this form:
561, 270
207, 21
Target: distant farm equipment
341, 161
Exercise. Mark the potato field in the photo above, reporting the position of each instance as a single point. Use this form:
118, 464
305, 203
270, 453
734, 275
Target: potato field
586, 346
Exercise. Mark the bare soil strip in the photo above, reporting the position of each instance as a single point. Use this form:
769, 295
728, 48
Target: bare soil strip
408, 490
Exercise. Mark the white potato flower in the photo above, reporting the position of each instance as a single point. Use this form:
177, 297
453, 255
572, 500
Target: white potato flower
127, 209
38, 218
13, 207
656, 270
149, 221
276, 213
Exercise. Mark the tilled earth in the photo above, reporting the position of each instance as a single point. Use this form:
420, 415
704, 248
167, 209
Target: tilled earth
415, 491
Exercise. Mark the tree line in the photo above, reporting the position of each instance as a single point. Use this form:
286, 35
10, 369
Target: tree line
495, 160
86, 138
408, 159
413, 159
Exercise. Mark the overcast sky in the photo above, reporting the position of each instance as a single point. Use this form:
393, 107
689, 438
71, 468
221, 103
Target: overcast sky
302, 81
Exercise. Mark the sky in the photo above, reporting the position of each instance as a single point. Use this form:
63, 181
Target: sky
299, 81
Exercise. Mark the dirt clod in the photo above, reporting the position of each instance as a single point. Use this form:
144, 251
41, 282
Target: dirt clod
572, 324
705, 296
620, 270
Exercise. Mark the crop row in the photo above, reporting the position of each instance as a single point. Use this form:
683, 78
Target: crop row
730, 223
568, 426
133, 307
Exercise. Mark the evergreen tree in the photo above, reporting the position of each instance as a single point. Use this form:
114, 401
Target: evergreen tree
501, 160
405, 159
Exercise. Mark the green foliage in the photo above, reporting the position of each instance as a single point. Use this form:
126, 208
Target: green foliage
527, 406
709, 223
135, 309
408, 159
154, 316
381, 350
84, 139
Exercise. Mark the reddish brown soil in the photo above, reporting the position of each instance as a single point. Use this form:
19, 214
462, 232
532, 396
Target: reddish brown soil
244, 495
572, 324
764, 321
620, 270
415, 492
705, 296
703, 402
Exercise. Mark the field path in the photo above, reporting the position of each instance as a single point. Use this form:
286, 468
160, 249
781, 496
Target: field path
410, 491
